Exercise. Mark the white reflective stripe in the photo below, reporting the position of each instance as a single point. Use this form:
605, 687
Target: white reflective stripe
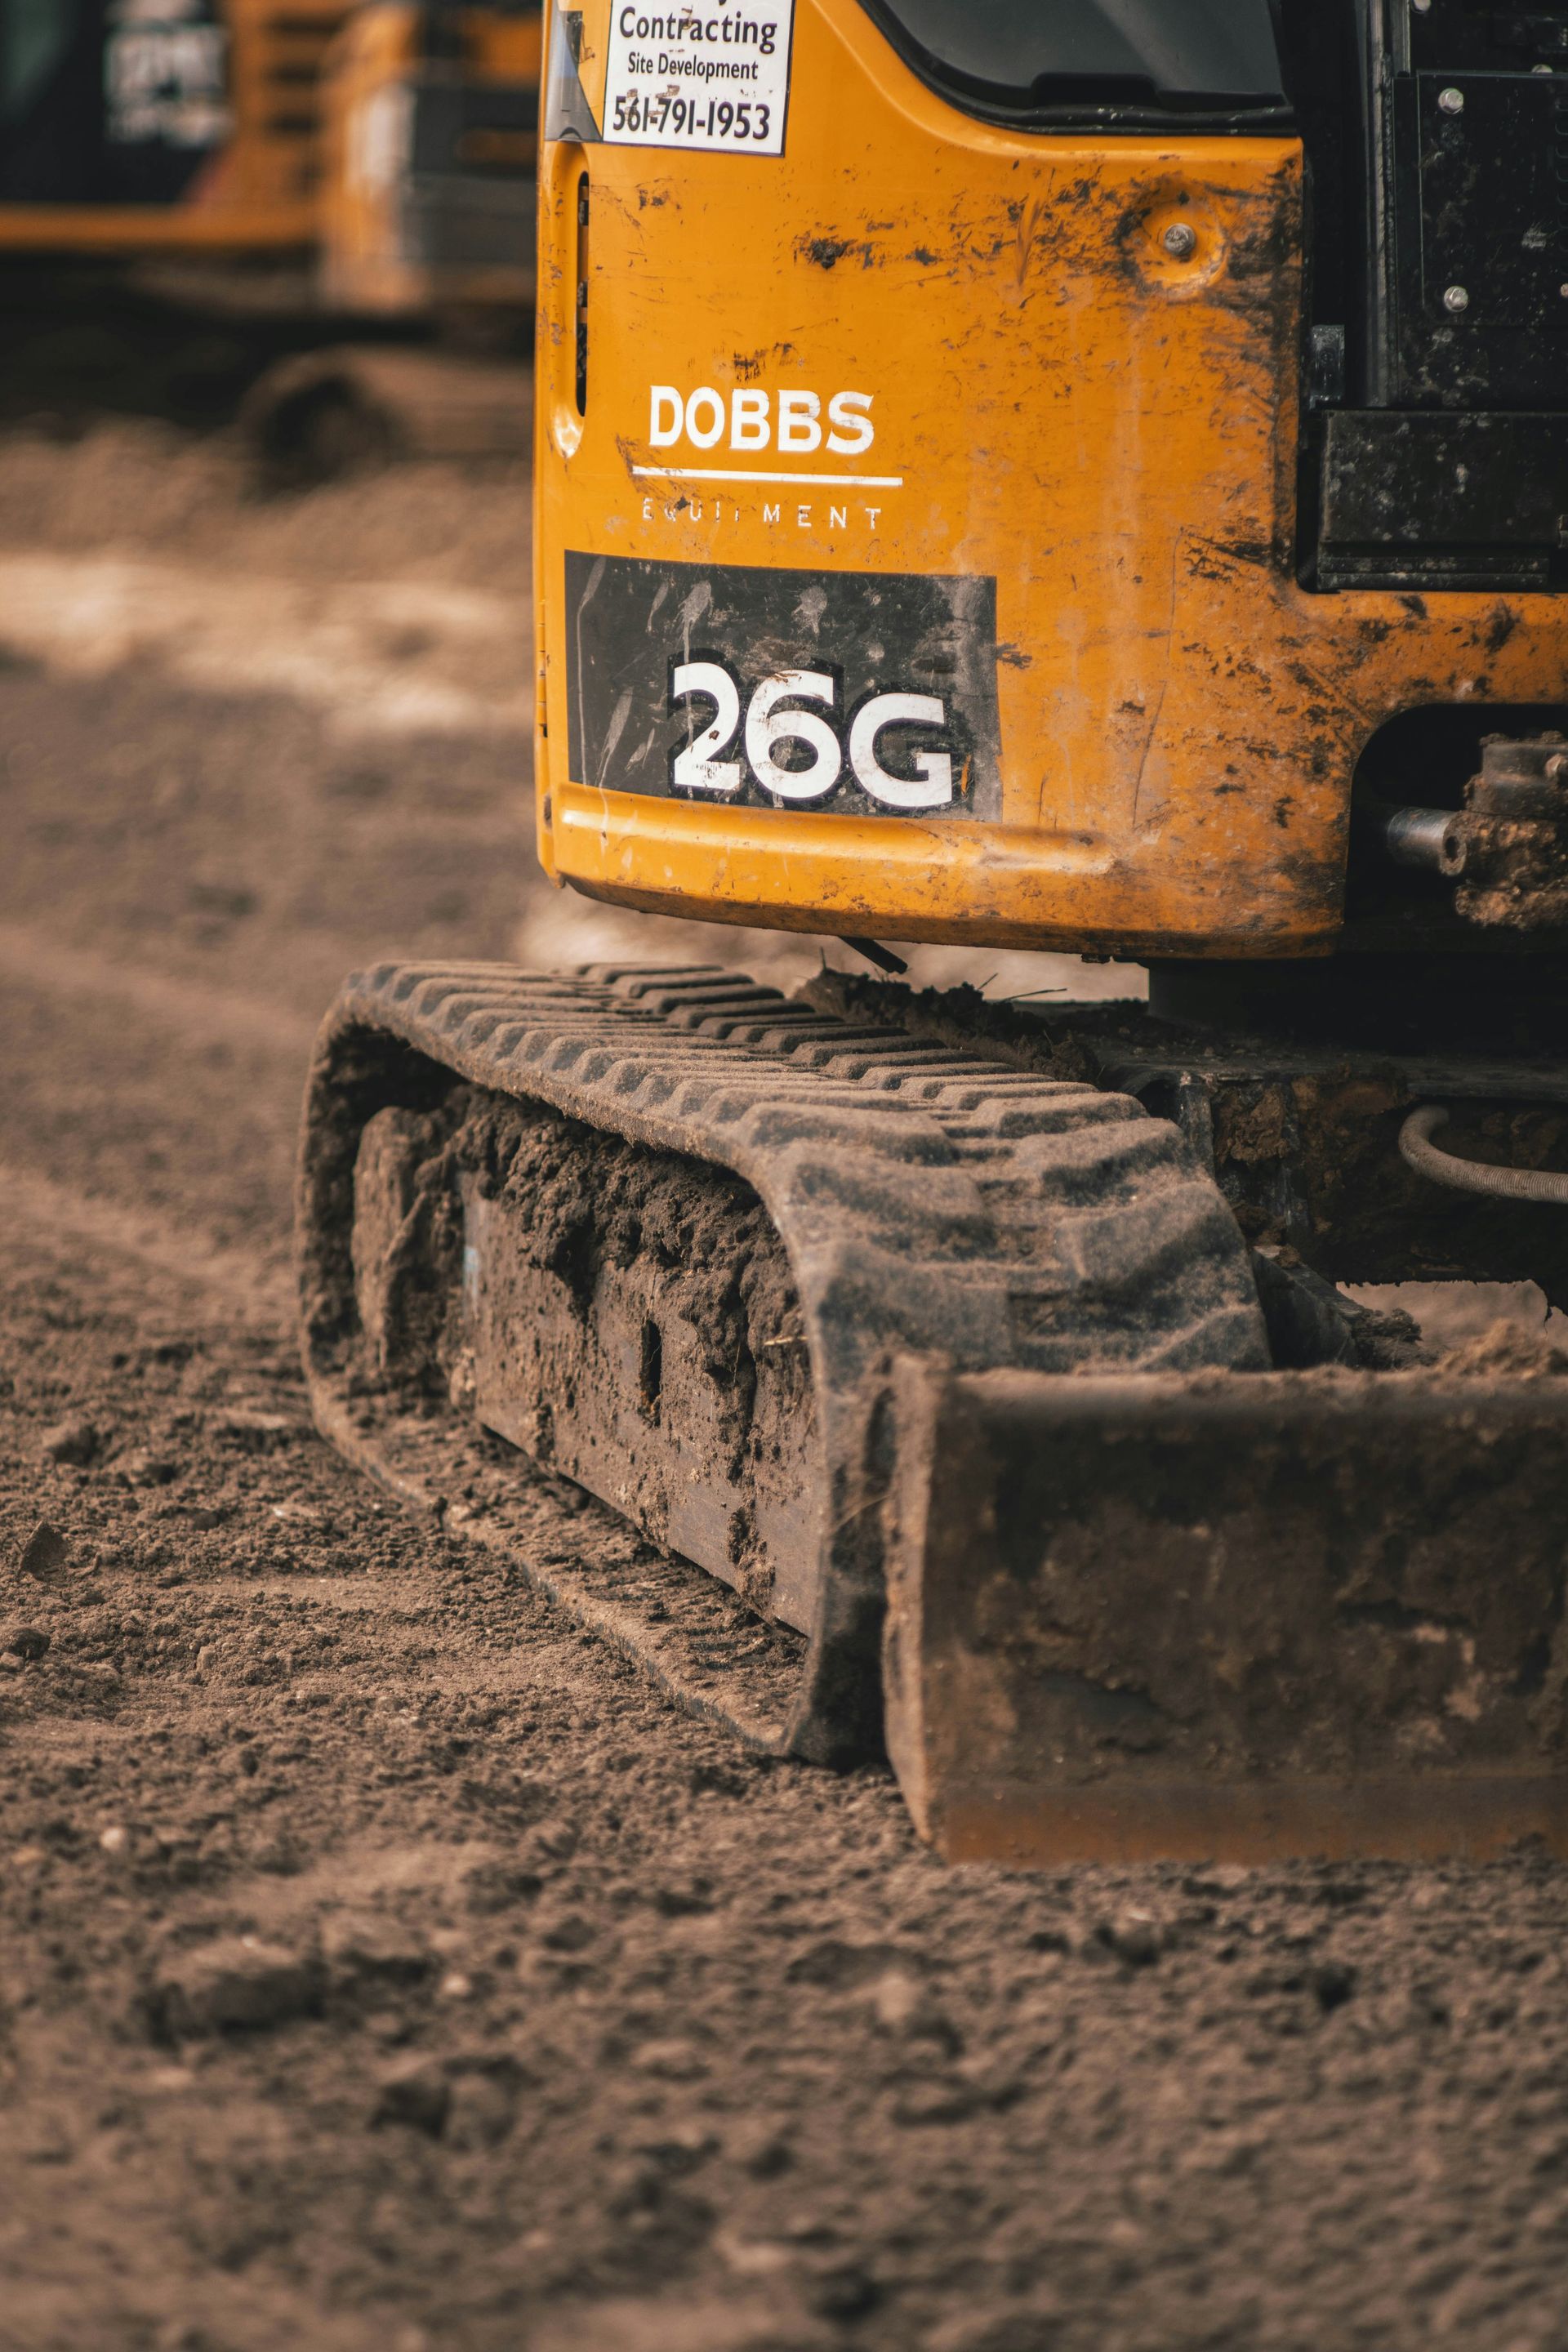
930, 787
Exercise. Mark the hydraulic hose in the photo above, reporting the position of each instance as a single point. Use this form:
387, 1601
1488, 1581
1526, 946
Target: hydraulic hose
1421, 1153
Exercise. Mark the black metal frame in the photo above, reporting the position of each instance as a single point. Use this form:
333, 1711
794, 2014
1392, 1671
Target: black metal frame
1435, 449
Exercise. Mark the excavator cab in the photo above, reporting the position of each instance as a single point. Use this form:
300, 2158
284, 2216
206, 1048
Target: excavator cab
1044, 476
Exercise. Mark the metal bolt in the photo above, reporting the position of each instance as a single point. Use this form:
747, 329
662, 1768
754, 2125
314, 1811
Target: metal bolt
1181, 240
1456, 298
1451, 101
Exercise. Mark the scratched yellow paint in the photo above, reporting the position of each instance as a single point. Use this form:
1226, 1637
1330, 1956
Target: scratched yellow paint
1108, 429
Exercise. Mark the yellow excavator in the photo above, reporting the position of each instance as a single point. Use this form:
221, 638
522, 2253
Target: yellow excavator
389, 147
157, 127
431, 137
429, 150
1076, 476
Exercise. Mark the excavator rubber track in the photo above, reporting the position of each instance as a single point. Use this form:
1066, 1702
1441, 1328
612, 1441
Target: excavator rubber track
352, 407
925, 1406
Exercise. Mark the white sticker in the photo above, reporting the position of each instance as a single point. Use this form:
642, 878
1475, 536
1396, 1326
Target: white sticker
712, 74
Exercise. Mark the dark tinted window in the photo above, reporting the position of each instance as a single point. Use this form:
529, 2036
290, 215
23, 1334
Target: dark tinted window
33, 36
110, 101
1096, 59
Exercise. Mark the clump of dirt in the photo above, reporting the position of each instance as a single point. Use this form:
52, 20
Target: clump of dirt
1508, 1352
408, 1247
583, 1200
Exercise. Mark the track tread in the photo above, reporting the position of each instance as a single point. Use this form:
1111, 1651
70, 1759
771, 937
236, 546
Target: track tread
930, 1201
1048, 1165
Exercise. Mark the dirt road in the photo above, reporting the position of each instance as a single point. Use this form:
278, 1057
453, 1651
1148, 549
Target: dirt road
381, 1962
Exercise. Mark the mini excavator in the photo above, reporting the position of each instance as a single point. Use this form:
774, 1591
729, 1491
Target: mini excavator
389, 146
149, 128
1083, 474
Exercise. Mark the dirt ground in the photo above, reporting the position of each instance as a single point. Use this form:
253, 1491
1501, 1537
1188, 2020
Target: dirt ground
382, 1963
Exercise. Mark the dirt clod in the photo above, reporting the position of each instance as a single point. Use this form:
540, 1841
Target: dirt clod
234, 1983
413, 2092
25, 1641
1333, 1983
844, 2293
360, 1948
261, 1432
1133, 1937
142, 1468
46, 1555
73, 1442
670, 2060
481, 2111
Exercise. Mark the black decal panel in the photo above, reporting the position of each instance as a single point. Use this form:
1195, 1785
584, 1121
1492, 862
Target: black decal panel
684, 680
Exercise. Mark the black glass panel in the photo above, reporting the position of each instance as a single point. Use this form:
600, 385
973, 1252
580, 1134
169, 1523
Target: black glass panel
1093, 59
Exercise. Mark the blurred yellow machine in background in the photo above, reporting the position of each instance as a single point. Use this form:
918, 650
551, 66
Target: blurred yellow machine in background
378, 161
142, 127
392, 143
431, 128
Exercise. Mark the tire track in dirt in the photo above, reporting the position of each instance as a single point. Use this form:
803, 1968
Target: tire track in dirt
30, 956
36, 1208
166, 1116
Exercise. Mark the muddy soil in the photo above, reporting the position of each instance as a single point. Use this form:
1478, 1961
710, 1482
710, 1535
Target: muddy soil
382, 1963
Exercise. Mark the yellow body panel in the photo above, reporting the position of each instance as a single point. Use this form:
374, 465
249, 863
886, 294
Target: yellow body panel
1107, 430
260, 193
200, 227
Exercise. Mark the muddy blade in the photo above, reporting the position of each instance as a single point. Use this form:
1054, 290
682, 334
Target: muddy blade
1248, 1619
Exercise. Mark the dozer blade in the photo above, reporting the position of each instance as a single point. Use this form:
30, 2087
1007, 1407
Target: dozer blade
1245, 1618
